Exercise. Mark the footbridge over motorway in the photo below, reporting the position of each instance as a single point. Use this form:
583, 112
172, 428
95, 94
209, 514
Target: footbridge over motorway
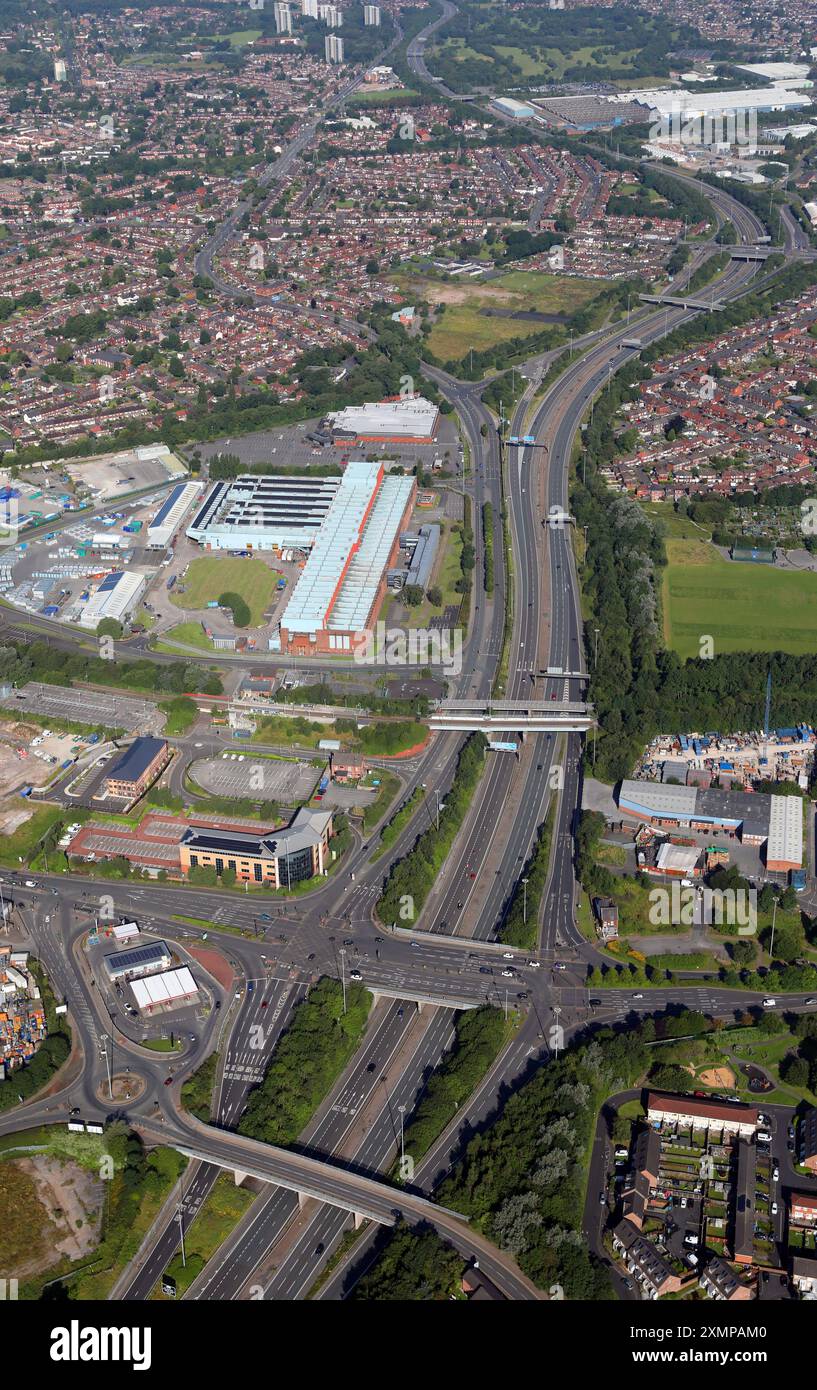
520, 716
682, 302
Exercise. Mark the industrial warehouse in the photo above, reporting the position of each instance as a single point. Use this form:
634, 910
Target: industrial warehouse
759, 818
350, 527
167, 520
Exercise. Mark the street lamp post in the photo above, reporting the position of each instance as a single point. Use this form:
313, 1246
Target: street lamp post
343, 975
402, 1110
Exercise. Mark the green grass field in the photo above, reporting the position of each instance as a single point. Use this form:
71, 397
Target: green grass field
211, 576
743, 607
541, 61
188, 633
464, 323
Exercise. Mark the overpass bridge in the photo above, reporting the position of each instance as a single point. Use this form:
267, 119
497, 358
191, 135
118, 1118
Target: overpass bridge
750, 253
422, 998
682, 302
317, 1179
519, 716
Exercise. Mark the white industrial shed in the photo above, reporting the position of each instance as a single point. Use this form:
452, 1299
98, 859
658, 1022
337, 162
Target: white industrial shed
117, 597
172, 987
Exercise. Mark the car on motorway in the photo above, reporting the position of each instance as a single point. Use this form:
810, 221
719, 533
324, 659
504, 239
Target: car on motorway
638, 996
507, 955
311, 955
348, 941
508, 974
218, 1004
371, 1067
319, 1249
168, 1080
774, 1208
602, 1199
769, 1003
484, 970
534, 964
809, 1002
263, 1003
415, 945
355, 975
559, 965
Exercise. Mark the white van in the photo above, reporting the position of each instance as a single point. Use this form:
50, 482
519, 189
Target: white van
769, 1003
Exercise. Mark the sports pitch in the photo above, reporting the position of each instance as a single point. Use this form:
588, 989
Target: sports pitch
211, 576
741, 606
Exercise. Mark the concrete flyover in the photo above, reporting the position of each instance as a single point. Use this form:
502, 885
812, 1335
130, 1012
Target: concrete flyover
749, 253
683, 302
522, 716
366, 1197
421, 998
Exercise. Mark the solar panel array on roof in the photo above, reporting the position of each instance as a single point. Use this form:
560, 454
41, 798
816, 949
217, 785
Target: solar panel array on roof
110, 581
169, 502
153, 956
265, 511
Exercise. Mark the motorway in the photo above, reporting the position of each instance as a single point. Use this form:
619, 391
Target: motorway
279, 1248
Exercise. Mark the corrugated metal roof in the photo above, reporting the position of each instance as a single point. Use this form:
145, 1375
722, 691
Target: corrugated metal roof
362, 523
